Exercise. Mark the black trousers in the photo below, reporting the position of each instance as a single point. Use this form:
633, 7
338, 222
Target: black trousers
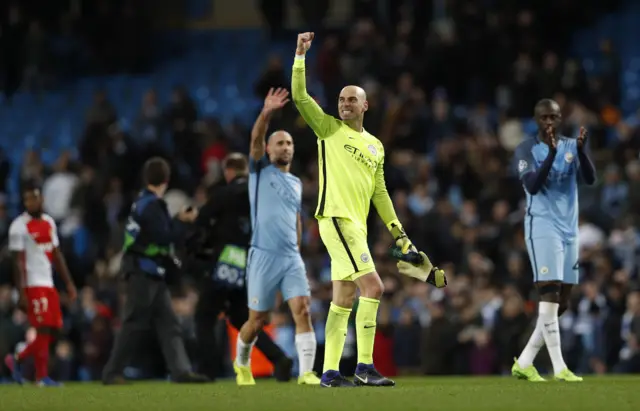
211, 349
148, 309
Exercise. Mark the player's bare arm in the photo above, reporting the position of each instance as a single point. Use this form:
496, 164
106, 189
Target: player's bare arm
19, 276
275, 100
587, 168
62, 269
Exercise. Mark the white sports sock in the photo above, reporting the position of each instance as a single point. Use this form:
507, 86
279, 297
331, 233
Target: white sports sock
243, 352
535, 343
306, 347
548, 322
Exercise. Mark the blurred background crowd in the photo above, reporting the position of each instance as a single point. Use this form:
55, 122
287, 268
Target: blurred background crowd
93, 88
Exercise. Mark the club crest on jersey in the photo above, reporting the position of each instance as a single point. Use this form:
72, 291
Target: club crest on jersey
522, 165
544, 270
568, 157
372, 150
364, 257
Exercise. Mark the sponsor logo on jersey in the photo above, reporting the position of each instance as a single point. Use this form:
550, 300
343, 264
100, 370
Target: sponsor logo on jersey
361, 157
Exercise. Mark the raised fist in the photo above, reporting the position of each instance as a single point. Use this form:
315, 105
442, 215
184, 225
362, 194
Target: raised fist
304, 42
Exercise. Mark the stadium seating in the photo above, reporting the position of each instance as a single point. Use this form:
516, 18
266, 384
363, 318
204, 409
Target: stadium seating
623, 29
219, 69
221, 87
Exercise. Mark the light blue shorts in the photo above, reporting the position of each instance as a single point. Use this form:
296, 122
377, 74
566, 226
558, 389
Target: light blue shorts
268, 272
554, 259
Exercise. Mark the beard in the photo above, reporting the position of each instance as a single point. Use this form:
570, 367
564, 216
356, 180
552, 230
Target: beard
35, 214
282, 162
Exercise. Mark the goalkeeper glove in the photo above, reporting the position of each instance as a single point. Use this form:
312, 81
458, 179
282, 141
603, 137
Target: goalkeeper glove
400, 237
425, 271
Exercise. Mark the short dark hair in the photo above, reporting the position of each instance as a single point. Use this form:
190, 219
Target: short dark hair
545, 102
156, 171
237, 162
30, 187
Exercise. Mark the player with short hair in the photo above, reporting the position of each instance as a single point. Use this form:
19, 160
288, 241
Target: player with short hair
351, 165
34, 245
274, 261
550, 167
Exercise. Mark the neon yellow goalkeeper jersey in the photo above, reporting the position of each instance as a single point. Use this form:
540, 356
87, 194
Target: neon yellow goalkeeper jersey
350, 162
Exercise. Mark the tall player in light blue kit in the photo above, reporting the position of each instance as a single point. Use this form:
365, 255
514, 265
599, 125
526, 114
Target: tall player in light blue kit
550, 167
274, 263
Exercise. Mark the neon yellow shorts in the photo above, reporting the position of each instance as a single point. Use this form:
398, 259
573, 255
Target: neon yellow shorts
347, 245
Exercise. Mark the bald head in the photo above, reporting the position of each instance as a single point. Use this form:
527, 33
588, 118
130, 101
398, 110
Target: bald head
354, 91
352, 103
280, 148
278, 135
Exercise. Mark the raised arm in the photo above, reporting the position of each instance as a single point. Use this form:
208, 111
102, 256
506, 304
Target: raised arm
275, 100
322, 124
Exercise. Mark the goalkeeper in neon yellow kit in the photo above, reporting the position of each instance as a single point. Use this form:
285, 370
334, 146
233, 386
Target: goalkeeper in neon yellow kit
351, 177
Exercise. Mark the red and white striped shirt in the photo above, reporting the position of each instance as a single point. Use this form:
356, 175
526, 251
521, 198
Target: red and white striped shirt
37, 237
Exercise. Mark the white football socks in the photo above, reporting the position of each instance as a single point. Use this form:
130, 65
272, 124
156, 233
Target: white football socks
306, 347
243, 352
548, 323
535, 343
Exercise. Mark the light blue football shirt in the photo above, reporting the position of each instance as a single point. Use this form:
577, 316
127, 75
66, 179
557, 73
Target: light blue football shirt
276, 200
554, 209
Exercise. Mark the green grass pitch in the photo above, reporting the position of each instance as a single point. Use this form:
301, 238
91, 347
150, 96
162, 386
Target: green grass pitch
424, 394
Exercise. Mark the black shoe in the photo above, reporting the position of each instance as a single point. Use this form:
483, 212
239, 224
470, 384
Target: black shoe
191, 378
282, 369
333, 379
115, 380
367, 375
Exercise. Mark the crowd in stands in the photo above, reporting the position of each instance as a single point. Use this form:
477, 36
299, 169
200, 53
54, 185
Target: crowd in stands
449, 99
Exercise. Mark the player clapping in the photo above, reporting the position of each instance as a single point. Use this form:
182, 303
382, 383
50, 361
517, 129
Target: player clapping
550, 167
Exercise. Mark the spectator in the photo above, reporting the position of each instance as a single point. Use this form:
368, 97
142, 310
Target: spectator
101, 113
630, 353
36, 57
58, 188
